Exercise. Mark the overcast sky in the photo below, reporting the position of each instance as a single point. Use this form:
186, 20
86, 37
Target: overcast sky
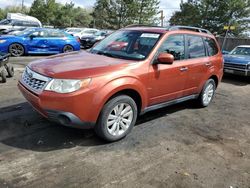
169, 6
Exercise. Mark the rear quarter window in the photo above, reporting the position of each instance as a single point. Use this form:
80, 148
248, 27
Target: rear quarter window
211, 46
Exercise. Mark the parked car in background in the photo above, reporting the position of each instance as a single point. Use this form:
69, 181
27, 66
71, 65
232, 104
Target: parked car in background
238, 61
73, 30
107, 88
38, 41
15, 21
89, 41
86, 32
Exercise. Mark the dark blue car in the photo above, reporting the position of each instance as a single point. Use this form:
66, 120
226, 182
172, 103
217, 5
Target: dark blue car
238, 61
38, 41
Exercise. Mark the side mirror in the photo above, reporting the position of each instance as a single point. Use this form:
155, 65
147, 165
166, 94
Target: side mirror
165, 58
32, 36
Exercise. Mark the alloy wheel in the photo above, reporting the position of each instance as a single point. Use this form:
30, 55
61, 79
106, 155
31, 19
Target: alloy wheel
119, 119
208, 94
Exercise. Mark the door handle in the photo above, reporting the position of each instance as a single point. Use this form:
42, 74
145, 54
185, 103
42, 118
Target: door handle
208, 64
182, 69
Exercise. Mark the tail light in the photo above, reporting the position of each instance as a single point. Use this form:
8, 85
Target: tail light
78, 39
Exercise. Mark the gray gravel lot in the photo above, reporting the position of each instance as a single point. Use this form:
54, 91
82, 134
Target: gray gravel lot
180, 146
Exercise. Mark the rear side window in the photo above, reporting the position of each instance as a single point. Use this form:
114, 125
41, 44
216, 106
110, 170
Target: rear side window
196, 47
211, 46
174, 45
55, 33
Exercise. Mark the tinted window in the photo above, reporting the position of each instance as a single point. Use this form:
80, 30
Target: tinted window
175, 46
195, 47
211, 46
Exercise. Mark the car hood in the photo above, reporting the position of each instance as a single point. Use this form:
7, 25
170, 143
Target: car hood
77, 65
239, 59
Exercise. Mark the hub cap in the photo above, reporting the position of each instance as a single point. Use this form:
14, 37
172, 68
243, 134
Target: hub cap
208, 94
119, 119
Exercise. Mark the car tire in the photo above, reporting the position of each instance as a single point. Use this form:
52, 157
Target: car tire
68, 48
207, 93
10, 70
3, 76
16, 50
117, 118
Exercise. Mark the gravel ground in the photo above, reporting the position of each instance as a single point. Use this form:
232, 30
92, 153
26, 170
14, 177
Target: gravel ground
180, 146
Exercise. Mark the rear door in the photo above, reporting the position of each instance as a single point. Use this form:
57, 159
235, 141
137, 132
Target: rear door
197, 63
56, 40
167, 82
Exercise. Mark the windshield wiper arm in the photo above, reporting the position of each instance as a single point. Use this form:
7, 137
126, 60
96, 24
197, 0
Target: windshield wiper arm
106, 54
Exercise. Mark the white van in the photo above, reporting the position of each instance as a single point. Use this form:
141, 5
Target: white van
18, 21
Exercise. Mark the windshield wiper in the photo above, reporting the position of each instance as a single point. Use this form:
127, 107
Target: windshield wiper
106, 54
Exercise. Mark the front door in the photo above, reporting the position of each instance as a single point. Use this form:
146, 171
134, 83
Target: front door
37, 42
167, 82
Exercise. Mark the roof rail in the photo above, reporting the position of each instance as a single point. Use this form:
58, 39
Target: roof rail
141, 25
195, 29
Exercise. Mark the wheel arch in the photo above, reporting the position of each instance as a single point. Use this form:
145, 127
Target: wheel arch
215, 78
127, 86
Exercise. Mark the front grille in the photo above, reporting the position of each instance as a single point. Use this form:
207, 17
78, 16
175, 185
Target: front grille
234, 65
34, 81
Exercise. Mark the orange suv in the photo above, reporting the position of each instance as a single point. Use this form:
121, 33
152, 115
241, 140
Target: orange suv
134, 70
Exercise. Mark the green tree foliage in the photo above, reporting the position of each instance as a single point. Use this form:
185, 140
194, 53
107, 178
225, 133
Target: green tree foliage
49, 12
115, 14
213, 14
2, 14
12, 9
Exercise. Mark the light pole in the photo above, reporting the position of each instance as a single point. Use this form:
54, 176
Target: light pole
22, 4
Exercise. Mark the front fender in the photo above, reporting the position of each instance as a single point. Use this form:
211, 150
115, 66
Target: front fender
117, 85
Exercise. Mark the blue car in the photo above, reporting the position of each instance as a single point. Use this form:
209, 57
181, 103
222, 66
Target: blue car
38, 41
238, 61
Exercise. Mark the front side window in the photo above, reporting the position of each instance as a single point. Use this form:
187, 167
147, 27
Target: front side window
211, 46
174, 45
134, 45
196, 47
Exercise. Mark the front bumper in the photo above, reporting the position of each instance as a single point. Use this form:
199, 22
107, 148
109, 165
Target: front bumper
236, 71
87, 43
56, 109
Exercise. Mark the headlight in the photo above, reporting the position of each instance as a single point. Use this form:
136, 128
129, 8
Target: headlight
2, 41
67, 85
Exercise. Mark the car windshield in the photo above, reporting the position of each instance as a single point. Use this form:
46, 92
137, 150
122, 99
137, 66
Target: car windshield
74, 30
90, 31
134, 45
99, 33
5, 22
241, 51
